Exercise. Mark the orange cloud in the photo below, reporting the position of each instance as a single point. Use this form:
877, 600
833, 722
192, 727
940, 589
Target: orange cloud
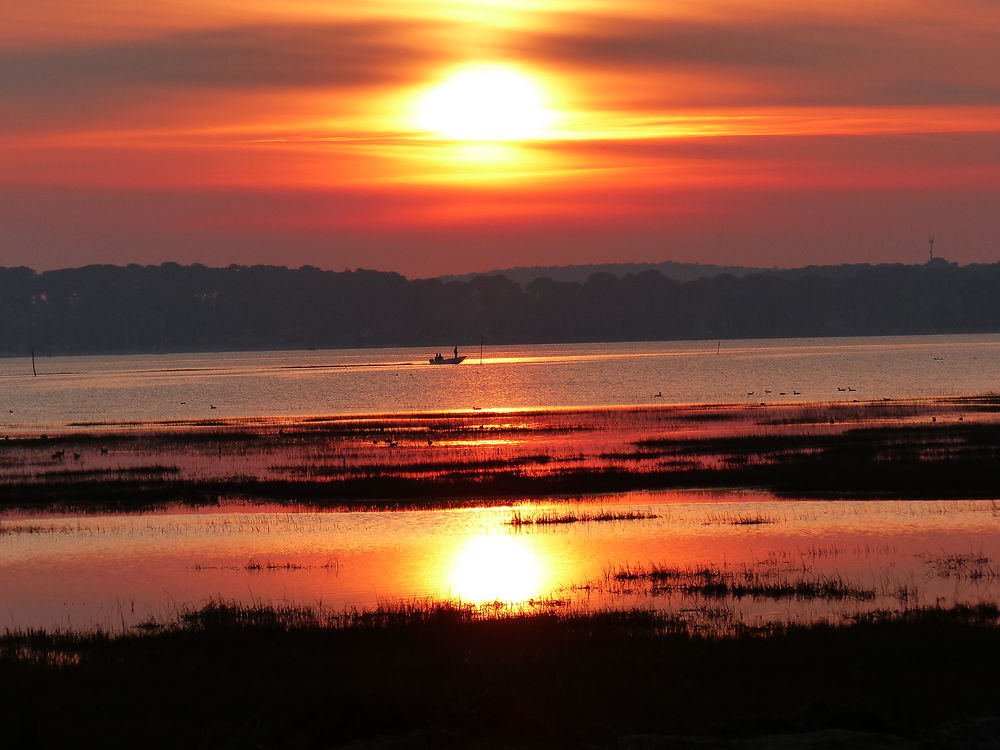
277, 131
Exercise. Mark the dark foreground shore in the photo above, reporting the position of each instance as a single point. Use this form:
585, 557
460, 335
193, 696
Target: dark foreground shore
440, 676
931, 448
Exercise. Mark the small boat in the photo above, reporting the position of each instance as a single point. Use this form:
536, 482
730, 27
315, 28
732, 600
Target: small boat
446, 360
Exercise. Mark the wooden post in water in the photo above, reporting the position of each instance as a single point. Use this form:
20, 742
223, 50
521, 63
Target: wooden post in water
480, 350
33, 370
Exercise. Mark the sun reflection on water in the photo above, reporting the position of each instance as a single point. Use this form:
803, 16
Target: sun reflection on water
496, 568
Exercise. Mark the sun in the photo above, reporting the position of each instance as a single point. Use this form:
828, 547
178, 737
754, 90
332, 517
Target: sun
496, 568
485, 103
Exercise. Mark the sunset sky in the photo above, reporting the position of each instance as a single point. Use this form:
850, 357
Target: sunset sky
450, 136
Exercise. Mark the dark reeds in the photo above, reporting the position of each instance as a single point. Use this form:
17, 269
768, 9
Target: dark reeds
446, 675
718, 583
969, 566
518, 519
739, 519
916, 449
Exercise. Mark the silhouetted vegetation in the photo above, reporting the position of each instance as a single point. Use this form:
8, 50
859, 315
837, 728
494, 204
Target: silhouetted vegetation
872, 449
581, 272
518, 519
714, 582
174, 308
450, 676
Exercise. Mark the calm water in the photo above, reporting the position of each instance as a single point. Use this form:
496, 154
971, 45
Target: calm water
115, 570
180, 386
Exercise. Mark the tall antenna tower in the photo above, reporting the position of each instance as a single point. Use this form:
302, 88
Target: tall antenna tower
931, 241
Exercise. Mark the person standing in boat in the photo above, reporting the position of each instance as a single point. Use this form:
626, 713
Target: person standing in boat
456, 352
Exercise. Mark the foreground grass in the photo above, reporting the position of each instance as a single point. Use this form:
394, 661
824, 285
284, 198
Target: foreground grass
445, 676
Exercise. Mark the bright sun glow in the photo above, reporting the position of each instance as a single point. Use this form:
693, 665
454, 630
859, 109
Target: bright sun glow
485, 103
496, 568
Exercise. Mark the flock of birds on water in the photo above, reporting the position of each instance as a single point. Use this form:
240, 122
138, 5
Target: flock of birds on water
61, 454
849, 389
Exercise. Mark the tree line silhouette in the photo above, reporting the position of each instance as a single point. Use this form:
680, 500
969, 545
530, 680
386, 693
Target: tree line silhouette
171, 307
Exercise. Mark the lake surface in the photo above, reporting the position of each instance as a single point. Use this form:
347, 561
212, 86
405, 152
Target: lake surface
186, 386
114, 571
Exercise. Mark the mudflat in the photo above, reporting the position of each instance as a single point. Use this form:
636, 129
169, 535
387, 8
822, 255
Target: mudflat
925, 448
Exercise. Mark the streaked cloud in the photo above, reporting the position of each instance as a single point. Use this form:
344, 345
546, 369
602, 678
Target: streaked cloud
791, 59
751, 131
44, 87
349, 54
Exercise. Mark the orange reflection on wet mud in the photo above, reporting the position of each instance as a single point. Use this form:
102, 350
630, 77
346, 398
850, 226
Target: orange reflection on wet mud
496, 567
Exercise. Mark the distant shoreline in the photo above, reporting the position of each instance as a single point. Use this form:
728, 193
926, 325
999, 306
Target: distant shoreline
429, 347
174, 308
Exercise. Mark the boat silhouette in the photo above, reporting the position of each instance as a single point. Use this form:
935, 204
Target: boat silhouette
439, 360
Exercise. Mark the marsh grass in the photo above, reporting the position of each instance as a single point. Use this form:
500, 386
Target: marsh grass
271, 565
126, 472
968, 566
433, 674
816, 551
255, 565
518, 519
443, 459
411, 469
838, 412
230, 615
739, 519
754, 582
11, 529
